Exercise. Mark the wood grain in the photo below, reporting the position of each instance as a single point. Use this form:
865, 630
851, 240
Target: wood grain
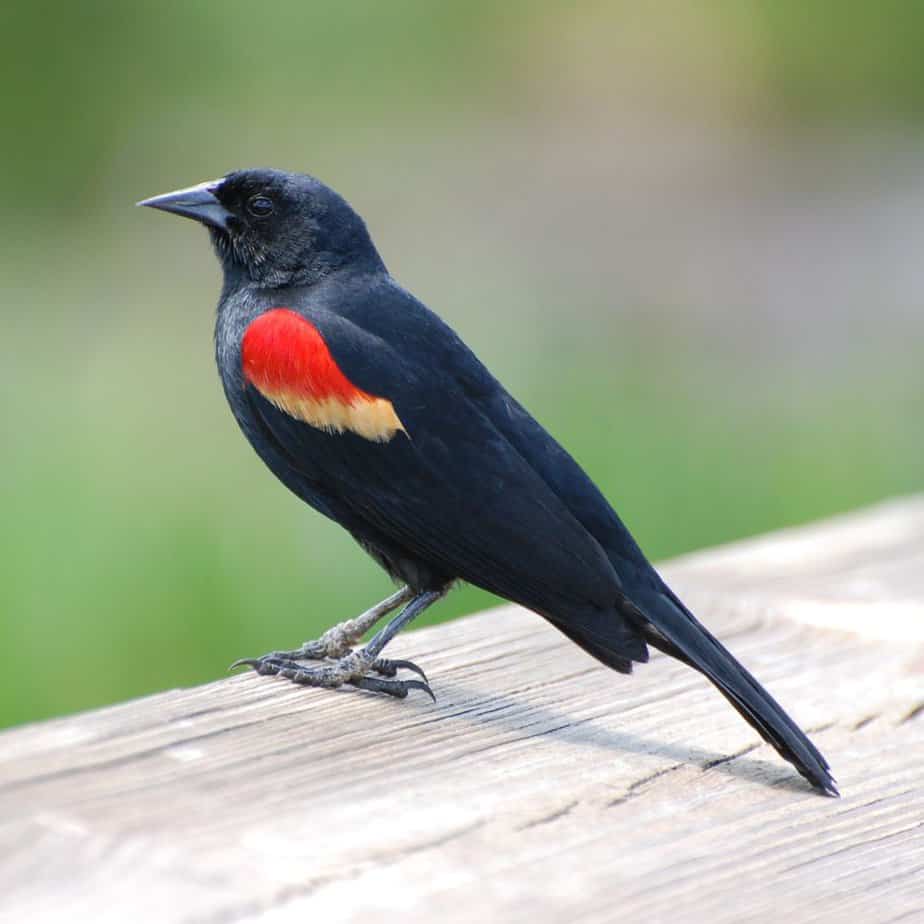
542, 787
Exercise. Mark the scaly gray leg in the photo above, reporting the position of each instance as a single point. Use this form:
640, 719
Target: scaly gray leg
340, 639
352, 667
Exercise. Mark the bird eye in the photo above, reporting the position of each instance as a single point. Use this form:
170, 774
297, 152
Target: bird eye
260, 206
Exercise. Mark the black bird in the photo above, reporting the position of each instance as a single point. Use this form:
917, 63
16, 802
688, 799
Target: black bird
372, 410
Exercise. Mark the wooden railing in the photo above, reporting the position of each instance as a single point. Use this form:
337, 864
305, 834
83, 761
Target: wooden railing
541, 787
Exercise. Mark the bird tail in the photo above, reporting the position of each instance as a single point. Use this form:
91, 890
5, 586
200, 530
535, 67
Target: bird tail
666, 624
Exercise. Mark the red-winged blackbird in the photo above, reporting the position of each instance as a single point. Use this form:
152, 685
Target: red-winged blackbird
372, 410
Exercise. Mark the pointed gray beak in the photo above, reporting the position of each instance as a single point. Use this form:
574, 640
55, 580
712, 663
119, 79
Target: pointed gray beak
198, 202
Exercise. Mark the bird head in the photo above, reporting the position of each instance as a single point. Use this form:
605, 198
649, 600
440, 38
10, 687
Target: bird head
275, 228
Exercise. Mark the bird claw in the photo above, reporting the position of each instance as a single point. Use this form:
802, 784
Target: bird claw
397, 688
244, 662
347, 670
387, 667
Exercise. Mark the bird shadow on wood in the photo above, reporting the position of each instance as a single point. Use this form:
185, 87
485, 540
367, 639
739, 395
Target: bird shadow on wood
499, 710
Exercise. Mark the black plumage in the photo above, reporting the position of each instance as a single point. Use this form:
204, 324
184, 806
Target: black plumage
472, 489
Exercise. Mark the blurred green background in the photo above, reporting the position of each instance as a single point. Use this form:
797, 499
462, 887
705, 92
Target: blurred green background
687, 236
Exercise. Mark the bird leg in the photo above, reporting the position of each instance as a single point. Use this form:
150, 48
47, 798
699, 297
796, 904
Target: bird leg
353, 667
340, 639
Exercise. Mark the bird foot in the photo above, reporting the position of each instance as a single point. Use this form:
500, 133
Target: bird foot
352, 668
343, 664
337, 642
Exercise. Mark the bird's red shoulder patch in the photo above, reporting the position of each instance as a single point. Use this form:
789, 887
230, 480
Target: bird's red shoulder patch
284, 357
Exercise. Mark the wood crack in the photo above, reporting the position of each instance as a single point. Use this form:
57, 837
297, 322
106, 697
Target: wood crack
550, 817
728, 758
634, 788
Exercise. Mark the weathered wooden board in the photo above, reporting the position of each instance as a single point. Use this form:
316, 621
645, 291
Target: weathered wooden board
542, 787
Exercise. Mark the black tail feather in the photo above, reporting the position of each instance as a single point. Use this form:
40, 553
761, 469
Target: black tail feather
667, 625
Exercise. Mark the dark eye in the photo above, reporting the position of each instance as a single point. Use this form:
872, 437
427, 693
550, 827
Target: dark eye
260, 206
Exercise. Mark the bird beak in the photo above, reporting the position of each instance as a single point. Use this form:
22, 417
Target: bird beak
198, 202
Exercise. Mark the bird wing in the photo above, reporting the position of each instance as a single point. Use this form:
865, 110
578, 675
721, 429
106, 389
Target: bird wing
573, 486
395, 436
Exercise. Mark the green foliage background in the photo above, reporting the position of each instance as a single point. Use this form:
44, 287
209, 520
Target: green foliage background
142, 545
